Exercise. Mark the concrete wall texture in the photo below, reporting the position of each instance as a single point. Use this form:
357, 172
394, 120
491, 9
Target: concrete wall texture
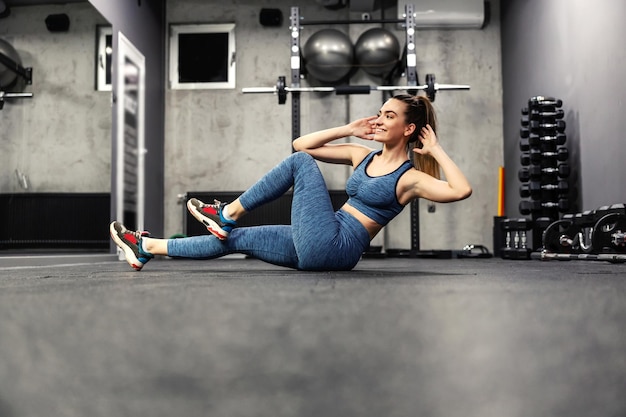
61, 138
222, 140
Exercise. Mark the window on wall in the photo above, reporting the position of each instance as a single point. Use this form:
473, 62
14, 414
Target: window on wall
104, 58
202, 56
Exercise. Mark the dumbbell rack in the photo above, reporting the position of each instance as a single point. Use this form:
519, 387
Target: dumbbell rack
544, 186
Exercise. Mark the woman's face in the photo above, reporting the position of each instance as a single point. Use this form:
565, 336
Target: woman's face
391, 126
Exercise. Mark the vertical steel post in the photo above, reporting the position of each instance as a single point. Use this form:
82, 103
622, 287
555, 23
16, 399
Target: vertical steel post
411, 80
295, 72
411, 56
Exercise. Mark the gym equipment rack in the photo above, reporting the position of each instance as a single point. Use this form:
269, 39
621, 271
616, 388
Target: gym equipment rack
412, 87
544, 176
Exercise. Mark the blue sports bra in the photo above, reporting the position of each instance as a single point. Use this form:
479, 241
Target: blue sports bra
375, 196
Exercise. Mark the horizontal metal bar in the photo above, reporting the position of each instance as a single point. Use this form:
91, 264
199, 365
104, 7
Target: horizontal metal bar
609, 257
353, 89
259, 90
15, 95
436, 86
451, 87
348, 22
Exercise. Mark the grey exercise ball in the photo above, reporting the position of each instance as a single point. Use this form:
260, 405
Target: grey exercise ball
328, 55
377, 51
8, 77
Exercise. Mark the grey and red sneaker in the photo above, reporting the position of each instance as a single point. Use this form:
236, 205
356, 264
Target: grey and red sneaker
130, 243
211, 216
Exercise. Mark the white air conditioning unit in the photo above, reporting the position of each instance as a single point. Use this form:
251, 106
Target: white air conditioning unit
446, 14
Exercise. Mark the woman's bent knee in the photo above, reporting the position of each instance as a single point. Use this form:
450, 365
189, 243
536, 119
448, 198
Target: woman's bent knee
301, 157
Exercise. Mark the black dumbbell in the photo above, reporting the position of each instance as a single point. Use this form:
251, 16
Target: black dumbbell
524, 133
560, 236
547, 108
515, 244
535, 188
535, 155
542, 101
542, 115
540, 224
528, 207
534, 171
536, 126
542, 129
539, 114
520, 242
536, 140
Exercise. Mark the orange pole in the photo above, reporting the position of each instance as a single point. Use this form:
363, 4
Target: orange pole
501, 191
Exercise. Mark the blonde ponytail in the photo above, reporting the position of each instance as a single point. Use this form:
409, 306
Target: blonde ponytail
420, 111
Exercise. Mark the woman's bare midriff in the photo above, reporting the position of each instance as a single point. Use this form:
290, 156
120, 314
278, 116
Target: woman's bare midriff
370, 225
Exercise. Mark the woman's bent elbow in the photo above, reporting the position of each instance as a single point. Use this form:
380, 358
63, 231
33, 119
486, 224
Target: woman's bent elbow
460, 194
465, 193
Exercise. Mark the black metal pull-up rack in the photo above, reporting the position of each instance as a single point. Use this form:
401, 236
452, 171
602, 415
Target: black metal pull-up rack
412, 87
411, 80
296, 24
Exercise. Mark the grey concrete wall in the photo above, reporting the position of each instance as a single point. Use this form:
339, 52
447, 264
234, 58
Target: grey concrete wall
572, 50
60, 139
223, 140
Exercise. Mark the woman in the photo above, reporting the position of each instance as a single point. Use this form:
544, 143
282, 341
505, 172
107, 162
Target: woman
319, 238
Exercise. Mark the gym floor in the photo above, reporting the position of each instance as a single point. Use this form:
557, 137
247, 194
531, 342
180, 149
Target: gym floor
237, 337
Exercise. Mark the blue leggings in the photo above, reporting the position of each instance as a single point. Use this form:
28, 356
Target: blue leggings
319, 238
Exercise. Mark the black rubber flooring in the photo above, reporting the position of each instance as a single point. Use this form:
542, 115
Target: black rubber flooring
237, 337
